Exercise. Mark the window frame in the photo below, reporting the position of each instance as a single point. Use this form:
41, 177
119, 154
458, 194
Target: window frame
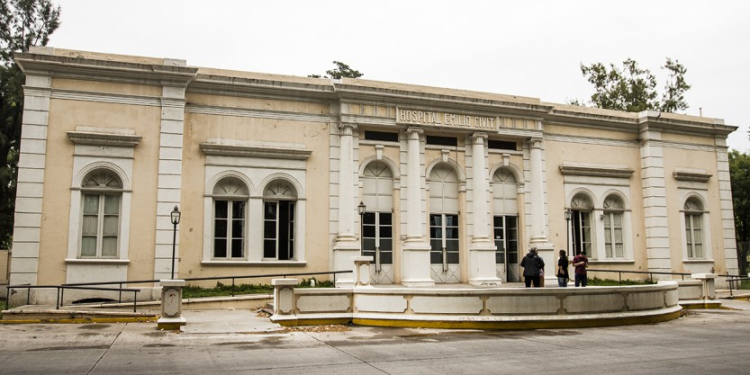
101, 192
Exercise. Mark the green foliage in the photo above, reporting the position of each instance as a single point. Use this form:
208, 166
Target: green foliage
23, 23
595, 281
633, 89
341, 70
739, 172
222, 290
308, 283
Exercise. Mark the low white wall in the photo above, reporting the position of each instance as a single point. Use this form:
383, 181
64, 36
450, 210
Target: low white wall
625, 303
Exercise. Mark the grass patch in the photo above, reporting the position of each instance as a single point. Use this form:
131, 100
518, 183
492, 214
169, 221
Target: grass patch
222, 290
595, 281
745, 284
3, 305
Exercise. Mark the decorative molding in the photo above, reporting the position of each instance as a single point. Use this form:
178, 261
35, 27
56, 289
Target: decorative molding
245, 263
594, 170
264, 151
104, 139
685, 174
97, 261
243, 112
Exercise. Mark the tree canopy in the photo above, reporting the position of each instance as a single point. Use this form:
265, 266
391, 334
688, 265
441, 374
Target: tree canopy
739, 170
633, 89
341, 70
23, 23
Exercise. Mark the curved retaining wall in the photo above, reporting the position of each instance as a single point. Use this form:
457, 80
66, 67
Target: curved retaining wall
496, 308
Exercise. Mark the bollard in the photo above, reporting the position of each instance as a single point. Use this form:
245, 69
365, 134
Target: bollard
283, 296
171, 305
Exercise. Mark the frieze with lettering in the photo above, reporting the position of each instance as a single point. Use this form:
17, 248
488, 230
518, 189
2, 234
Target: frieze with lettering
457, 120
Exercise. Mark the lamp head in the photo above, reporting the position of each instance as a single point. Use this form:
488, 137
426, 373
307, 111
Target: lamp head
175, 215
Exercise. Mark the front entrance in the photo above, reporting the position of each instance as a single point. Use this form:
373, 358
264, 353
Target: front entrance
505, 230
377, 242
444, 242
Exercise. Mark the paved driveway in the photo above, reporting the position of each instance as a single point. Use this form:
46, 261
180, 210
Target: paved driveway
238, 342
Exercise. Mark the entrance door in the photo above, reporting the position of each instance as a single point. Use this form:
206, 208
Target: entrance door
377, 242
505, 230
444, 248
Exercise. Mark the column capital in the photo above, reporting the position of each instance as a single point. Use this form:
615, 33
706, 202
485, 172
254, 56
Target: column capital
414, 130
536, 142
347, 128
479, 137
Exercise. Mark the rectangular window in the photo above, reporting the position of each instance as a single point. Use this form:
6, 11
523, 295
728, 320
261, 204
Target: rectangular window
381, 136
100, 227
442, 141
501, 145
444, 239
278, 230
613, 235
506, 239
377, 236
694, 236
229, 229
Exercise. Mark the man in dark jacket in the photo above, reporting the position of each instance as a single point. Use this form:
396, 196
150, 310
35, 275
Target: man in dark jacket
531, 264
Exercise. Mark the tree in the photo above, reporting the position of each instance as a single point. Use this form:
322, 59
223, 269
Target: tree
23, 23
739, 171
341, 70
633, 89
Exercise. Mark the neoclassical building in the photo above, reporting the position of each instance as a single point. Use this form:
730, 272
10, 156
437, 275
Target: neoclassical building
268, 172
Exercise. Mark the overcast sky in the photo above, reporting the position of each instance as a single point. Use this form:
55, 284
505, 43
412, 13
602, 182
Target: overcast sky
527, 48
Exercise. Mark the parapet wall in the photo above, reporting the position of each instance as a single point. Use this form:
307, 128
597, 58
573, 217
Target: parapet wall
485, 308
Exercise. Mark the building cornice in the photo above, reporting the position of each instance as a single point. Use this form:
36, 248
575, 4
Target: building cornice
270, 151
695, 175
596, 170
104, 139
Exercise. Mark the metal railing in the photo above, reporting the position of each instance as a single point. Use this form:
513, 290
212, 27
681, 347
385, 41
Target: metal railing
649, 273
61, 292
732, 279
90, 286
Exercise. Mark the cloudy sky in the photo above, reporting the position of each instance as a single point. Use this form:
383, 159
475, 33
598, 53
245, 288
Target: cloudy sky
529, 48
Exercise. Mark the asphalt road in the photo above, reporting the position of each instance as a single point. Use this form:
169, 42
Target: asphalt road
701, 342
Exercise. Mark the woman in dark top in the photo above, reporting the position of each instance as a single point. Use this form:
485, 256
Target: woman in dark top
562, 270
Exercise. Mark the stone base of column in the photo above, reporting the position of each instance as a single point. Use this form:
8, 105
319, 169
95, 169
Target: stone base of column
344, 253
482, 269
416, 265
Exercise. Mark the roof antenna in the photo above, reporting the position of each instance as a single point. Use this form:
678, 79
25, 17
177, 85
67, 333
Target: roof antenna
700, 111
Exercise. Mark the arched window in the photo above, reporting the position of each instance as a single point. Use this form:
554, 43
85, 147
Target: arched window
230, 201
581, 231
279, 199
613, 219
100, 225
505, 223
694, 228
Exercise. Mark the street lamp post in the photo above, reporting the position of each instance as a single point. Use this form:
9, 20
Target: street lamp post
361, 209
175, 216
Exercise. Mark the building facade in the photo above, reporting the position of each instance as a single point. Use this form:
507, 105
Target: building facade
269, 171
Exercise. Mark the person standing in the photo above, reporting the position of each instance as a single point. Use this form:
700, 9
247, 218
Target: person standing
580, 262
531, 264
562, 270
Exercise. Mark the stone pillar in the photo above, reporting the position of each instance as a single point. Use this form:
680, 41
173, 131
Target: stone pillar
24, 263
654, 199
482, 270
169, 177
362, 271
347, 245
727, 210
416, 259
538, 218
709, 287
171, 305
283, 296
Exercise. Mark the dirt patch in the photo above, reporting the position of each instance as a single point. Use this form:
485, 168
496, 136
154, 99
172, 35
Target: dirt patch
323, 328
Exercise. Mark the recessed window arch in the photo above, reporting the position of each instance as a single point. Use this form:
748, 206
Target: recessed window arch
377, 220
582, 208
505, 222
444, 228
279, 203
694, 231
614, 209
230, 197
101, 197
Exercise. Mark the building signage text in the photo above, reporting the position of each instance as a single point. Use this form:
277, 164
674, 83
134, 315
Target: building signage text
447, 119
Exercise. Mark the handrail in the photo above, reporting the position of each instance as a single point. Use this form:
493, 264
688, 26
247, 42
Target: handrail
649, 273
731, 279
87, 286
61, 292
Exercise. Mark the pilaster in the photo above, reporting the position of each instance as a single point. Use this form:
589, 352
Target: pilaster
482, 270
346, 246
654, 200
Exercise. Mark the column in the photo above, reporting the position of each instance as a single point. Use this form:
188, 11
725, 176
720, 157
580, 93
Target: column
169, 179
538, 218
347, 246
24, 265
727, 211
416, 259
482, 270
654, 200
